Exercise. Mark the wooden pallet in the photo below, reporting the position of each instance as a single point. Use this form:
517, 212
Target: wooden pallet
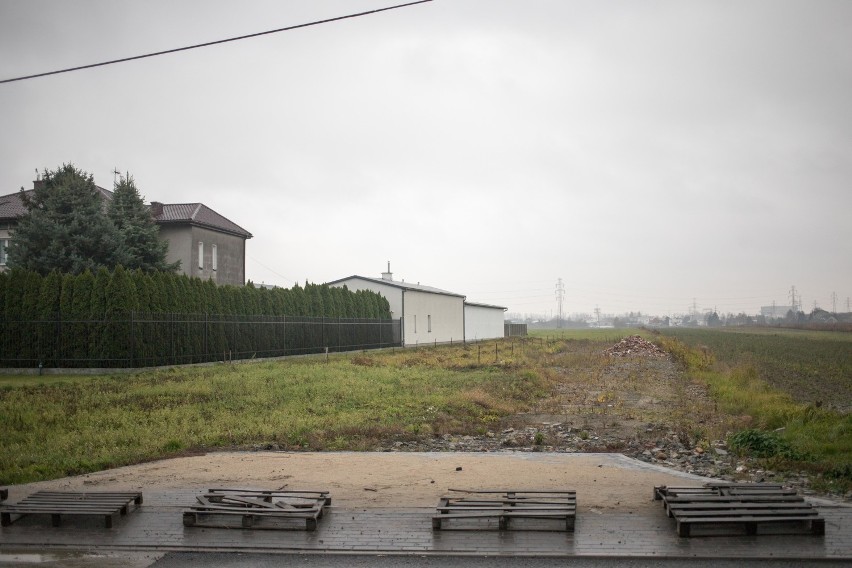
59, 503
218, 507
737, 504
505, 505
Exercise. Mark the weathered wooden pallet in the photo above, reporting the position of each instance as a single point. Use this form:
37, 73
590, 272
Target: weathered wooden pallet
746, 505
64, 503
505, 505
218, 508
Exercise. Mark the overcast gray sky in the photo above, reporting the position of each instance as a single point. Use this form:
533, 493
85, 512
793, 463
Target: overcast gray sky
651, 154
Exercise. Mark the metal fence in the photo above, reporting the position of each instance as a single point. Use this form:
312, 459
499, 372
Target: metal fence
147, 339
514, 329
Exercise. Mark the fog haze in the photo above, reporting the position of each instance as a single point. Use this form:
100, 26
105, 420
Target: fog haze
651, 154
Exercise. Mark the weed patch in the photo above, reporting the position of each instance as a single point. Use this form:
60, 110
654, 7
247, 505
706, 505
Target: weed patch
761, 444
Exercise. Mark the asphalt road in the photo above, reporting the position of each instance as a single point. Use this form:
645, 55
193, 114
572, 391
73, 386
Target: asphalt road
216, 560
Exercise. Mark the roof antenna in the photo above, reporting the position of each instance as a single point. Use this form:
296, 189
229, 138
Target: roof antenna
115, 174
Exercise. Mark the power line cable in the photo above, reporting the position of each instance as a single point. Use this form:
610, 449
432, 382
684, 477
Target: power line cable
271, 270
209, 43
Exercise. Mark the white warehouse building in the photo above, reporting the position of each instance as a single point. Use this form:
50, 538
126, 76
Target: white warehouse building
482, 321
431, 315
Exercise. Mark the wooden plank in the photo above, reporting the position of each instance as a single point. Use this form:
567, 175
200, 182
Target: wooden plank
483, 515
736, 499
105, 496
294, 493
724, 515
515, 491
663, 491
742, 507
451, 507
512, 502
673, 504
722, 489
816, 525
247, 519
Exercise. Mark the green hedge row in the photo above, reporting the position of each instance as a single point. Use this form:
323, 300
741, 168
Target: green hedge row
133, 318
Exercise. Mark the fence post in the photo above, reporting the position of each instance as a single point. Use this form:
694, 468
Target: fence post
206, 348
59, 342
132, 339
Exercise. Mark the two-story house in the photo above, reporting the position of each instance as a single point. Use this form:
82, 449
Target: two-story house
209, 245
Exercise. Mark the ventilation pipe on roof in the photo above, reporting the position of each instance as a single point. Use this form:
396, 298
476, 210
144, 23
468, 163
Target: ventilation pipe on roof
387, 275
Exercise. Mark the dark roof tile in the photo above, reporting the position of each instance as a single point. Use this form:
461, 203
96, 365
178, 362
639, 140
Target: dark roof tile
12, 208
200, 215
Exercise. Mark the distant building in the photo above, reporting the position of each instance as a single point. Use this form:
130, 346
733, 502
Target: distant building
207, 244
431, 315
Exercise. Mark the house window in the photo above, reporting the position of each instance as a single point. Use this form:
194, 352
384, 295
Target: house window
4, 243
213, 261
200, 254
429, 323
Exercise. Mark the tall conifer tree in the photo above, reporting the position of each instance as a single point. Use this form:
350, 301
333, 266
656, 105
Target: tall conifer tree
66, 298
136, 227
65, 227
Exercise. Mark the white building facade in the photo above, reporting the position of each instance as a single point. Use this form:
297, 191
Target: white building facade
483, 321
430, 315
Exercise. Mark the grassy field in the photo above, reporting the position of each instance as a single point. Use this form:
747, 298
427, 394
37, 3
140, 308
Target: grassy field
60, 425
57, 426
791, 389
813, 367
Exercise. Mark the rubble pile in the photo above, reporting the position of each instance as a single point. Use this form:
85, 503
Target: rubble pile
654, 444
635, 346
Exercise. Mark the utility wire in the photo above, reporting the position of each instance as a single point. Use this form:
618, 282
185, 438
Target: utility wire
209, 43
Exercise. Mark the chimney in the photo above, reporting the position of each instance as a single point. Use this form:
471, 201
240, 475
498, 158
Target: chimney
156, 208
38, 184
387, 275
